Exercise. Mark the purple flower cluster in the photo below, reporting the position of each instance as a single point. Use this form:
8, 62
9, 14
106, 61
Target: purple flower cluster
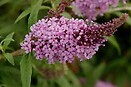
62, 39
92, 8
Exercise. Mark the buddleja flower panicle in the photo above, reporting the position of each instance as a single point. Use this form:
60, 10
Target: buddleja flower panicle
62, 39
93, 8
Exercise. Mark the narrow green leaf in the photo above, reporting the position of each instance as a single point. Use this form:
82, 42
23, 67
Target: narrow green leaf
23, 14
34, 13
114, 42
44, 7
33, 2
8, 39
2, 2
9, 57
4, 43
28, 11
26, 70
1, 48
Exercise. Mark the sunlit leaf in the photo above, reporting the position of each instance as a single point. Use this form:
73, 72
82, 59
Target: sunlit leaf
34, 13
27, 11
44, 7
6, 39
9, 57
9, 39
26, 70
4, 43
23, 14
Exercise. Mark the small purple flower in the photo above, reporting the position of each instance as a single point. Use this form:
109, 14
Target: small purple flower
62, 39
104, 84
92, 8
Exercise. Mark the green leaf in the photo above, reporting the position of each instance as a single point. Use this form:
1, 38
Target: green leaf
55, 3
74, 80
66, 14
46, 1
129, 69
44, 7
10, 80
33, 2
42, 82
34, 13
9, 69
121, 80
1, 48
87, 69
8, 39
63, 82
2, 2
9, 57
114, 42
4, 43
26, 70
28, 11
98, 71
23, 14
128, 21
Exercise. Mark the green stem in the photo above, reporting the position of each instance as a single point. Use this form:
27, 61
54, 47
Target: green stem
119, 9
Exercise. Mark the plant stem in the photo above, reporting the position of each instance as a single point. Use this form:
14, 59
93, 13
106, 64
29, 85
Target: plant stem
119, 9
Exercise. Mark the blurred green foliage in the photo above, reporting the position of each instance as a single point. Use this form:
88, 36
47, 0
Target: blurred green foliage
112, 63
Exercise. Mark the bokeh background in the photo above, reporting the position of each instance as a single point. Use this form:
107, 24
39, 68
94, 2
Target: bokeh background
110, 65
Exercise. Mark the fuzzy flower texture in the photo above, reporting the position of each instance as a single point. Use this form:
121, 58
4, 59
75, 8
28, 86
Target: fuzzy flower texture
92, 8
104, 84
62, 39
